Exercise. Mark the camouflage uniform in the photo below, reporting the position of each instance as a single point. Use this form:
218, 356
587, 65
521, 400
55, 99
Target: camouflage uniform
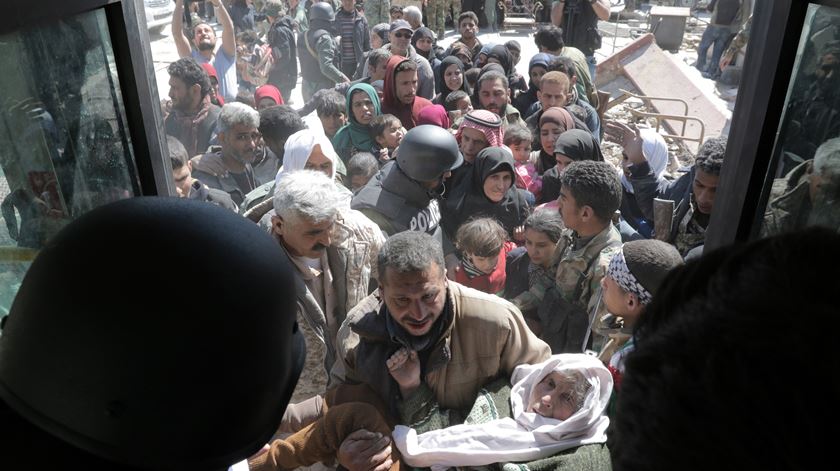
570, 305
377, 11
436, 12
789, 203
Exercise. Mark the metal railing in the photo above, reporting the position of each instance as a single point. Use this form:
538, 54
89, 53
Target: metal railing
660, 117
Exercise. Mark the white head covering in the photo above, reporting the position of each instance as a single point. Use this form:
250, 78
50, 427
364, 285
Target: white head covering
655, 151
527, 436
299, 147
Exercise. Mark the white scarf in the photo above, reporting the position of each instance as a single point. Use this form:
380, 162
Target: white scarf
527, 436
655, 151
299, 147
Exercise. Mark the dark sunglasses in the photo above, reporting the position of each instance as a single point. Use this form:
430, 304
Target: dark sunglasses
403, 35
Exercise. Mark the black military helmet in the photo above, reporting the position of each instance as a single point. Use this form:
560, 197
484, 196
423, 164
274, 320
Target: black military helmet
321, 11
427, 152
151, 333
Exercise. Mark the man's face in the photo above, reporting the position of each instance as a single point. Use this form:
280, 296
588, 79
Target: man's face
705, 186
184, 99
406, 86
468, 28
569, 209
552, 397
240, 142
358, 181
204, 37
827, 68
183, 180
536, 74
266, 102
552, 94
332, 123
319, 162
400, 40
616, 300
539, 247
472, 142
302, 236
415, 300
348, 5
493, 96
362, 107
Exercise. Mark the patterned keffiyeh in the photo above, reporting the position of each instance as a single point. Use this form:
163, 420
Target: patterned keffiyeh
621, 274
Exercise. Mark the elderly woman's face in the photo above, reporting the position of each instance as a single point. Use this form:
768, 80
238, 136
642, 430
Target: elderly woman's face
553, 397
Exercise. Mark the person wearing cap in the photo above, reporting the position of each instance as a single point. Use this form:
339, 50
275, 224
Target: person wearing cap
400, 45
478, 130
633, 277
400, 92
215, 95
463, 338
405, 194
318, 52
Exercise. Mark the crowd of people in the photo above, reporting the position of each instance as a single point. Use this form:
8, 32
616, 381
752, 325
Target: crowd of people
459, 238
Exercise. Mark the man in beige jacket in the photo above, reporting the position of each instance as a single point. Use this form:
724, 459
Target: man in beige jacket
464, 338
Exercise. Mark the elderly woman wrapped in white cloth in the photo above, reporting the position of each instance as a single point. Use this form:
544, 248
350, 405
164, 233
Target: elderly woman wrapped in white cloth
554, 419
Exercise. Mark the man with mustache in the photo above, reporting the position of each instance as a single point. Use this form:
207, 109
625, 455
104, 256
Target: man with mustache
333, 249
494, 95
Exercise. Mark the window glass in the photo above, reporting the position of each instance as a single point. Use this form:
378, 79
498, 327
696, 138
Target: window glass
64, 145
804, 178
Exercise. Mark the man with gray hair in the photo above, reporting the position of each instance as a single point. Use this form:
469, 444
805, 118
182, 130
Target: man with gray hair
463, 338
414, 16
807, 196
227, 167
333, 249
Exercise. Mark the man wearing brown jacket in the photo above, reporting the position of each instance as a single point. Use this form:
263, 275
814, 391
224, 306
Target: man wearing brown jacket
464, 338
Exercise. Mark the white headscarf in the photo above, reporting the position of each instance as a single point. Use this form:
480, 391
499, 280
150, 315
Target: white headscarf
299, 147
527, 436
655, 151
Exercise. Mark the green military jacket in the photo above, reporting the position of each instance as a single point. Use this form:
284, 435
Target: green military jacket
789, 203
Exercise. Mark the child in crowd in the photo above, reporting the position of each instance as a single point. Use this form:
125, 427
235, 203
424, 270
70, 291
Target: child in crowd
361, 168
549, 414
471, 76
518, 139
484, 247
632, 280
529, 269
396, 12
457, 104
387, 132
590, 194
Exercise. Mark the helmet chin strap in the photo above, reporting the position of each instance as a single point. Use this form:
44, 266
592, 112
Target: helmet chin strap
434, 194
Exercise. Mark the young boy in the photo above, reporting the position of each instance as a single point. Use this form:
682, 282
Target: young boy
387, 132
590, 194
632, 279
396, 12
484, 247
518, 139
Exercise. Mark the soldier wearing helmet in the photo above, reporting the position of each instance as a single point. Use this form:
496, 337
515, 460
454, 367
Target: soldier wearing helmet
112, 359
318, 52
404, 195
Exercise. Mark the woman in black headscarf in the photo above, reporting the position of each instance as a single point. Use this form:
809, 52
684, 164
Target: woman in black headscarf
500, 55
449, 77
489, 193
571, 146
424, 43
